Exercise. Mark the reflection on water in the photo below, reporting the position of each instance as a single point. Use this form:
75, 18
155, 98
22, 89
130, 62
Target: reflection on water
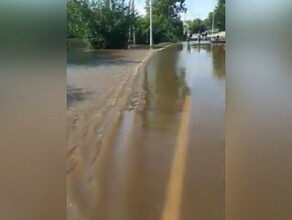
171, 75
218, 61
218, 57
166, 88
134, 172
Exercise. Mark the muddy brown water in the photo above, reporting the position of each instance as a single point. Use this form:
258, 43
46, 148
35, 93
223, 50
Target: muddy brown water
134, 173
137, 171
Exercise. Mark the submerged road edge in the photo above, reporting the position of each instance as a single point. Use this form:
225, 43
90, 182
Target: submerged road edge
173, 200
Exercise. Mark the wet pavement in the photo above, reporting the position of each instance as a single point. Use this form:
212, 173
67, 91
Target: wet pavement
166, 160
98, 86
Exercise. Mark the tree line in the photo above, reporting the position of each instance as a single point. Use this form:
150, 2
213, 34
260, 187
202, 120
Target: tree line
107, 23
104, 23
167, 24
198, 25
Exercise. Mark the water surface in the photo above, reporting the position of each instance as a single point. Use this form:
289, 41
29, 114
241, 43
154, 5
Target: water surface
135, 172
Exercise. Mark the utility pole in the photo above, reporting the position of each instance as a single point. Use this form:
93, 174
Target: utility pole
129, 13
185, 24
151, 31
213, 22
134, 30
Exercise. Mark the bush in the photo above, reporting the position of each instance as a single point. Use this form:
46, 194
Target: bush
74, 43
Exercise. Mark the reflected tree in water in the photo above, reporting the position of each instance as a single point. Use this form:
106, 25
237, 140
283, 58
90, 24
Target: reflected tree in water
218, 55
166, 90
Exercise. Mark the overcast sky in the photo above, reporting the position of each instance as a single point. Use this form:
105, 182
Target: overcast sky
196, 8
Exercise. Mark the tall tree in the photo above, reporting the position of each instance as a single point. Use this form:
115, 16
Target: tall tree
220, 15
105, 23
78, 18
167, 25
197, 25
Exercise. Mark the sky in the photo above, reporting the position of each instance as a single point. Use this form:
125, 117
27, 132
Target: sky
196, 8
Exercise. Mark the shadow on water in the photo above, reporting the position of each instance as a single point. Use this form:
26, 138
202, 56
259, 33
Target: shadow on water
98, 57
75, 95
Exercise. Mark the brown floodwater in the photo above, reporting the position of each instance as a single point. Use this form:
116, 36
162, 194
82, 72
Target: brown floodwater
166, 160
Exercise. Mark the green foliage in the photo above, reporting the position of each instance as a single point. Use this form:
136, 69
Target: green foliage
142, 30
220, 15
78, 17
167, 25
75, 43
105, 23
111, 24
197, 25
208, 21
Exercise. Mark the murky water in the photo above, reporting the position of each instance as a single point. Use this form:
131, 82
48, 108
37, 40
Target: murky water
136, 172
98, 86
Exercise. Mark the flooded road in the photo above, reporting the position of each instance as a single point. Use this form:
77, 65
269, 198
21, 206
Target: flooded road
99, 83
166, 161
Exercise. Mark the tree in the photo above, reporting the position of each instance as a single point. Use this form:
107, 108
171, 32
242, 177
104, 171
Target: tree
111, 24
78, 14
220, 15
208, 21
167, 25
142, 30
197, 25
105, 23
